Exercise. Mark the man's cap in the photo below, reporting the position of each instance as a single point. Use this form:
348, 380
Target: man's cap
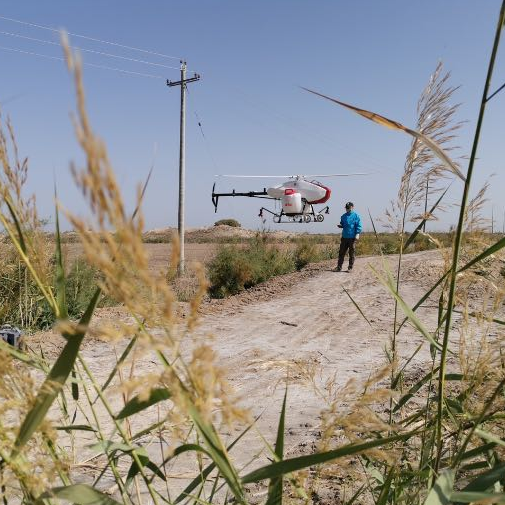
348, 205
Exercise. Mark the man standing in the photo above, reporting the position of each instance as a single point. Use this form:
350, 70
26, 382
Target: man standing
350, 222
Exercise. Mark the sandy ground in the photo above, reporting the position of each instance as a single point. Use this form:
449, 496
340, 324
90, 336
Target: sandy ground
256, 347
159, 254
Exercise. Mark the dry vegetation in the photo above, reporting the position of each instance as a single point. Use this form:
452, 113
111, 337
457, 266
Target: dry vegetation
401, 437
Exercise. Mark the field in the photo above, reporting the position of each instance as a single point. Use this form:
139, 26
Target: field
297, 326
260, 375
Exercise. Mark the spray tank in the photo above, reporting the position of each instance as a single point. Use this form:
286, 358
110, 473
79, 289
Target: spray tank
291, 202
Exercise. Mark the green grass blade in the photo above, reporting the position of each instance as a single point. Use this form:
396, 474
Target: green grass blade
425, 297
356, 495
121, 360
81, 494
61, 288
136, 405
357, 306
386, 487
21, 239
477, 451
207, 471
485, 480
218, 453
440, 493
414, 389
55, 379
421, 224
110, 447
466, 497
61, 297
275, 486
490, 250
29, 360
396, 380
145, 462
480, 314
301, 462
75, 386
375, 232
20, 245
148, 430
75, 427
279, 443
389, 283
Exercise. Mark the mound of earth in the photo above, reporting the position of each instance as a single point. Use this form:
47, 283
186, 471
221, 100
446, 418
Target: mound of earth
211, 234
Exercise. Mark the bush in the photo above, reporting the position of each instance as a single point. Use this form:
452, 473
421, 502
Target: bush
20, 301
228, 222
234, 269
81, 284
306, 252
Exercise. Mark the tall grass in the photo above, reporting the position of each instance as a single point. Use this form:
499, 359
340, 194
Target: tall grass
422, 170
234, 269
20, 300
450, 424
441, 443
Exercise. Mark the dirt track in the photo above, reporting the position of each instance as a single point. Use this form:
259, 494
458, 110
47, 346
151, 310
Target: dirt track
255, 345
325, 330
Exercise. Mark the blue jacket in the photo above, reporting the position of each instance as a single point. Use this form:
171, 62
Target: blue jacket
351, 224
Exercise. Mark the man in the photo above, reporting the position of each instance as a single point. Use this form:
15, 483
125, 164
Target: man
350, 222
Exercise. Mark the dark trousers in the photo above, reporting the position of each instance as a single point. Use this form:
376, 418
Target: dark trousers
346, 244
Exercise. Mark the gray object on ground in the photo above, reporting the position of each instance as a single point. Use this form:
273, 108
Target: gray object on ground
11, 335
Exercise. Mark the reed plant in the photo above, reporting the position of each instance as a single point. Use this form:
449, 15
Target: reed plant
438, 441
457, 458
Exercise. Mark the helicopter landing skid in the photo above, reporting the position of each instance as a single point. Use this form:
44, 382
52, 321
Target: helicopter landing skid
316, 217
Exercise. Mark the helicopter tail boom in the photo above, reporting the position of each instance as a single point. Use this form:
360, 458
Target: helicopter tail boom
250, 194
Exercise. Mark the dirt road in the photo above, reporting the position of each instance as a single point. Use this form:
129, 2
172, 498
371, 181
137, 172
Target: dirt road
300, 320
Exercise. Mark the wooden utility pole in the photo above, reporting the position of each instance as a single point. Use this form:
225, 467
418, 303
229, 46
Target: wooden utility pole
426, 202
182, 150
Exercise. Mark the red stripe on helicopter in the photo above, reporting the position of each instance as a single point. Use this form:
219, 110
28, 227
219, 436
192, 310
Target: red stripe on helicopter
326, 197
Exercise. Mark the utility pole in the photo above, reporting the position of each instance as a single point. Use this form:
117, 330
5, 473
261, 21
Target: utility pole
182, 149
426, 202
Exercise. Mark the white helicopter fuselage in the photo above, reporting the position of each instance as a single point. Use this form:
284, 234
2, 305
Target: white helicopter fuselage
298, 195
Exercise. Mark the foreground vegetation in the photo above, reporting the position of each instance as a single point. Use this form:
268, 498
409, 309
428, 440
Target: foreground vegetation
239, 263
437, 440
235, 268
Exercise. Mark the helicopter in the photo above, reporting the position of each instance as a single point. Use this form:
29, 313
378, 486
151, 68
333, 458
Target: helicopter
297, 195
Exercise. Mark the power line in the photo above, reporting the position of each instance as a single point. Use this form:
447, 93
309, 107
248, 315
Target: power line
42, 27
101, 53
104, 67
205, 141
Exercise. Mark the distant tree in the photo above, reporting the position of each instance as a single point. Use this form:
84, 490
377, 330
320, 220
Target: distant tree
228, 222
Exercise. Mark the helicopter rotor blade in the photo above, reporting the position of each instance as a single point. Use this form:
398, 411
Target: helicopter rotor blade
255, 176
338, 175
298, 176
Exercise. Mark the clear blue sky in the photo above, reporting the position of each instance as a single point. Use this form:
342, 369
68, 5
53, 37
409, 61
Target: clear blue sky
252, 56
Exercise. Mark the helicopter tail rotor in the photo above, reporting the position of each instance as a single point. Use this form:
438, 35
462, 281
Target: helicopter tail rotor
215, 198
